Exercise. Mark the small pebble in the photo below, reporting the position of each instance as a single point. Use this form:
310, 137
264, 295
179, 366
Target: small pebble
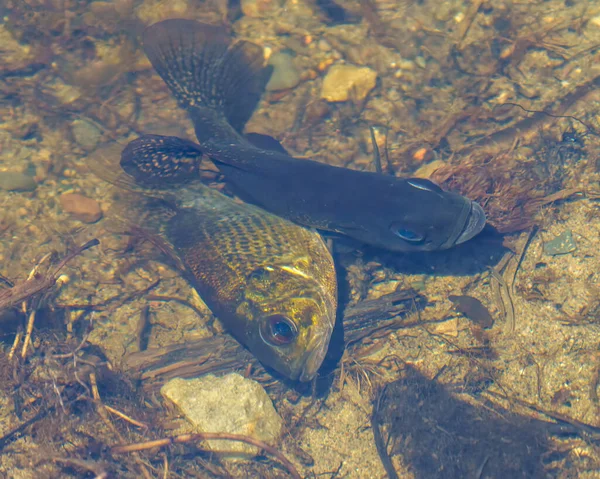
86, 134
285, 75
230, 404
421, 62
342, 79
81, 207
422, 154
259, 8
324, 45
16, 181
447, 328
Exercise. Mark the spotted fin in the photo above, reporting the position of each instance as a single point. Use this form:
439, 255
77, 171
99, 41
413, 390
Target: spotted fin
155, 160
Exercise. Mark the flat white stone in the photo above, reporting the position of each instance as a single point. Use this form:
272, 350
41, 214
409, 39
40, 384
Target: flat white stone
231, 404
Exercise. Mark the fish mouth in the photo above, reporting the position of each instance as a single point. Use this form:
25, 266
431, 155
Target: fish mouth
318, 349
475, 224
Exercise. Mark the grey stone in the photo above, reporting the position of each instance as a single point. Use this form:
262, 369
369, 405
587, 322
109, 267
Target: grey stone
562, 244
86, 134
231, 404
16, 181
285, 74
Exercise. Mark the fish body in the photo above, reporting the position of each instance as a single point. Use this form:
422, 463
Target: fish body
271, 282
220, 83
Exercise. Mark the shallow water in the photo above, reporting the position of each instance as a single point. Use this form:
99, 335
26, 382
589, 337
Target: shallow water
458, 98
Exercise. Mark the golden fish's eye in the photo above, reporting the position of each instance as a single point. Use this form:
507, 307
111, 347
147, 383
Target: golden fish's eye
278, 330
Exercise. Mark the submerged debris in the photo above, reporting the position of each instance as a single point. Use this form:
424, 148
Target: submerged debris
37, 282
215, 436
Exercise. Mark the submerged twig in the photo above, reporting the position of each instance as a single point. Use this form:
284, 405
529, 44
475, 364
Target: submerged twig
537, 120
530, 237
125, 417
501, 292
141, 340
38, 283
465, 25
564, 421
376, 154
12, 434
207, 436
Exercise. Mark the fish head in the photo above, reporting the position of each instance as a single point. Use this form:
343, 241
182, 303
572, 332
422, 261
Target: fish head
292, 318
428, 218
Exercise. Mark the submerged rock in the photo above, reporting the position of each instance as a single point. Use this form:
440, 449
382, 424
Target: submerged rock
231, 404
285, 74
344, 81
562, 244
86, 134
16, 181
81, 207
259, 8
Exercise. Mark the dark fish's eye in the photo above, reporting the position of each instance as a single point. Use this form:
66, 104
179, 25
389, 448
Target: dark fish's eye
278, 330
407, 235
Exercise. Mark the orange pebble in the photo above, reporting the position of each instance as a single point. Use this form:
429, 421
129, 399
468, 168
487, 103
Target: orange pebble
421, 154
507, 52
323, 65
309, 75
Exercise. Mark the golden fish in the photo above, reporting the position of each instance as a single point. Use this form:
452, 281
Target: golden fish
271, 282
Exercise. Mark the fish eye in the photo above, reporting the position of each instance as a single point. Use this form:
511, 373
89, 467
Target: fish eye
278, 330
407, 235
260, 274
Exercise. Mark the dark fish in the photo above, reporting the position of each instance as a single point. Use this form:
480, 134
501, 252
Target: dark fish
271, 282
220, 83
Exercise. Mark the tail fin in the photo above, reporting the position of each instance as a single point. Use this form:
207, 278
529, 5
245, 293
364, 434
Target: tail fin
204, 70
